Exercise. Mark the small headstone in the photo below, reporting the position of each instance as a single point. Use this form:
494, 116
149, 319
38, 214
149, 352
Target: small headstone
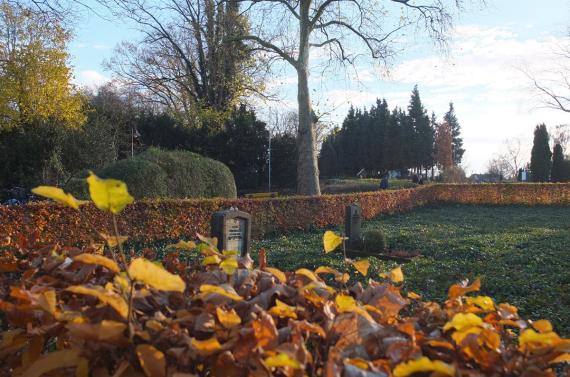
232, 228
352, 223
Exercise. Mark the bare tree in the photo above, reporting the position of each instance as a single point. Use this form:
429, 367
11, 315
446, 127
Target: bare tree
289, 29
509, 160
186, 61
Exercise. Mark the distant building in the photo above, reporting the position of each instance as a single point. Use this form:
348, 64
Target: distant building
486, 178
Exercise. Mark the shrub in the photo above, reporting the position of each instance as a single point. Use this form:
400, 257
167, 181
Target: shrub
190, 175
374, 241
454, 174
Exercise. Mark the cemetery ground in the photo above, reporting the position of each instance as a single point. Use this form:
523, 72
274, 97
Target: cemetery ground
520, 253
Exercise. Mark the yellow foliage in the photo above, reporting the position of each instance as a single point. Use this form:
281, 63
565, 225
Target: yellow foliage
277, 273
283, 310
206, 347
182, 245
362, 266
228, 319
58, 195
108, 194
98, 260
282, 360
206, 289
396, 275
106, 297
156, 276
229, 265
423, 364
484, 302
331, 241
529, 337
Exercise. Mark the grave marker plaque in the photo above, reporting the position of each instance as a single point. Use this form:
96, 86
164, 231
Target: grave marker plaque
232, 228
352, 223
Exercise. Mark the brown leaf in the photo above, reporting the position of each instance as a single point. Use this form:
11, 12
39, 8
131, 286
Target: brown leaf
53, 361
265, 331
458, 290
152, 360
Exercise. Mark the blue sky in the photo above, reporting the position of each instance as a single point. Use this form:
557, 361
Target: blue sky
481, 74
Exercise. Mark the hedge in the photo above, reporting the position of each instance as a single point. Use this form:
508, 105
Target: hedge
155, 220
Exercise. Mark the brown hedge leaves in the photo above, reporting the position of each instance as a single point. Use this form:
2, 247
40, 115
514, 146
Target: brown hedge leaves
65, 313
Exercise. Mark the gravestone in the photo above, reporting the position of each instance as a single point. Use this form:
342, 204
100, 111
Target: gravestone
352, 223
232, 228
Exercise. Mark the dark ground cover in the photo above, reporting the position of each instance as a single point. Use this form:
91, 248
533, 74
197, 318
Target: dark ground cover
521, 254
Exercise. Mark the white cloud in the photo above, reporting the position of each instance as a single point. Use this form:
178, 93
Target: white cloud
90, 79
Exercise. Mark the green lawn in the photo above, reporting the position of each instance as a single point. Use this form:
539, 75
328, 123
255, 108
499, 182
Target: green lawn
521, 254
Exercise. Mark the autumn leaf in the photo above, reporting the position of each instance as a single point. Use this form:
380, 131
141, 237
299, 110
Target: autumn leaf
211, 260
98, 260
458, 290
282, 310
362, 266
484, 302
154, 275
152, 360
542, 326
282, 360
462, 321
206, 347
307, 273
228, 319
110, 298
113, 241
52, 361
206, 289
338, 276
529, 337
182, 245
277, 273
58, 195
212, 242
229, 265
423, 364
105, 331
331, 241
396, 275
347, 304
108, 194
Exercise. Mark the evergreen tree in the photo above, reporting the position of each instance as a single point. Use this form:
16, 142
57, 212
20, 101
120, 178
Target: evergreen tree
558, 164
422, 142
457, 143
540, 159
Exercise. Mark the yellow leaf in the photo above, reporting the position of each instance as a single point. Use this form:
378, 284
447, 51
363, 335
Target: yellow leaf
206, 289
152, 360
531, 337
213, 242
564, 358
347, 304
283, 310
362, 266
277, 273
108, 194
105, 331
113, 241
282, 360
211, 259
338, 276
156, 276
331, 241
396, 275
462, 321
230, 253
484, 302
459, 335
542, 326
228, 319
98, 260
58, 195
414, 296
106, 297
54, 360
423, 364
229, 265
47, 301
307, 273
182, 245
206, 347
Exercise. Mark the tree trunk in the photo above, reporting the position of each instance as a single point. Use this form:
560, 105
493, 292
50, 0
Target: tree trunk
307, 165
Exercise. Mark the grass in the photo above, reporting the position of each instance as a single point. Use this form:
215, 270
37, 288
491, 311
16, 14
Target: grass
521, 254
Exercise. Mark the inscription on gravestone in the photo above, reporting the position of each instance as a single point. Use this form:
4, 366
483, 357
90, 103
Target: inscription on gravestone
232, 228
352, 224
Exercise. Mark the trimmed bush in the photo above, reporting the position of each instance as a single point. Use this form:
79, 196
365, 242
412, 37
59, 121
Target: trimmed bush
165, 174
374, 241
190, 175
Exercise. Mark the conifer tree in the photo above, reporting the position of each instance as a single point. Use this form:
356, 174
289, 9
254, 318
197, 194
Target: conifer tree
457, 142
422, 142
558, 164
540, 159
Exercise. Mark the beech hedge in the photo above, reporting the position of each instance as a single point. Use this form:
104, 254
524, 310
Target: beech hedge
155, 220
